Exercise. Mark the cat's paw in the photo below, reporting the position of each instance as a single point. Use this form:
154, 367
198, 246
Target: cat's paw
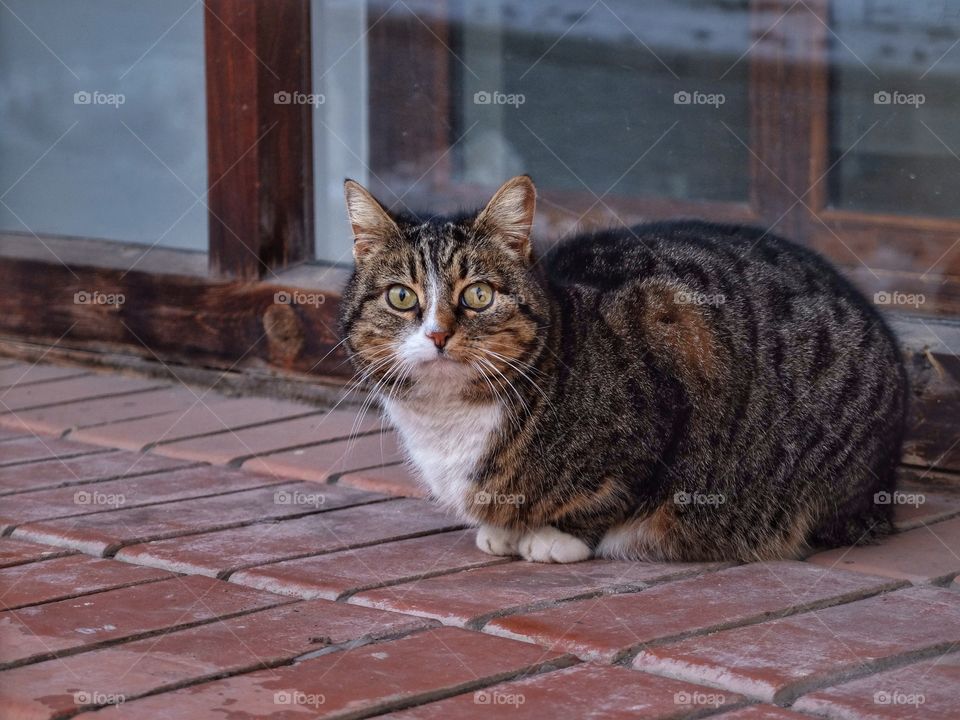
549, 545
497, 541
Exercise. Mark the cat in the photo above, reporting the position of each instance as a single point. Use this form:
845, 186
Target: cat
675, 391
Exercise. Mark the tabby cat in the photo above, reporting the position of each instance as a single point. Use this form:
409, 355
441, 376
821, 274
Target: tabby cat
672, 391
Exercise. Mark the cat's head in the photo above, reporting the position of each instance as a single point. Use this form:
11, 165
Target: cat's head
444, 301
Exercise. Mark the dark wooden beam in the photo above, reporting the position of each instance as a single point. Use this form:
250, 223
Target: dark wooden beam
260, 150
174, 316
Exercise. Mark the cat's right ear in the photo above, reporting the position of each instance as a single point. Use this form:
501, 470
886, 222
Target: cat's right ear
372, 224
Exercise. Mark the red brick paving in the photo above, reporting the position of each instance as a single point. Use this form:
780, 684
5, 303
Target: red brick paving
239, 445
358, 682
781, 658
12, 434
206, 415
65, 577
394, 480
921, 555
64, 418
104, 533
20, 374
241, 644
320, 462
474, 596
56, 628
926, 689
156, 488
56, 392
336, 575
82, 470
218, 553
15, 552
582, 691
32, 449
607, 628
826, 637
760, 712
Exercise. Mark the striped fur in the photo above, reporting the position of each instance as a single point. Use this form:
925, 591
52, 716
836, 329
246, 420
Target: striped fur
677, 390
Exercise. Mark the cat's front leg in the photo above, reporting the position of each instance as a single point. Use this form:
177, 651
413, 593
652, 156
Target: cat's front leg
549, 545
497, 540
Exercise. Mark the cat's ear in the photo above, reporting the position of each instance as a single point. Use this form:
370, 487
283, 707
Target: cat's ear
372, 224
509, 215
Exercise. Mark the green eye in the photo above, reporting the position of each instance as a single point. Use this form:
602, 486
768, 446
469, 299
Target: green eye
478, 296
400, 297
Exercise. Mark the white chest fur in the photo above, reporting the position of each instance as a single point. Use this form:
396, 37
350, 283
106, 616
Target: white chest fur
446, 439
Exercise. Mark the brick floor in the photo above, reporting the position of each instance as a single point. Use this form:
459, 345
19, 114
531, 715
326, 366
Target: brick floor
926, 689
322, 462
66, 577
180, 657
394, 480
780, 659
82, 470
242, 444
32, 449
607, 628
314, 581
921, 555
128, 492
474, 596
582, 691
106, 532
357, 682
47, 394
337, 575
17, 552
206, 415
67, 417
58, 628
219, 553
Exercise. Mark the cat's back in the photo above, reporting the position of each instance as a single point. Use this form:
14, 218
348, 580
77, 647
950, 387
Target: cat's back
694, 251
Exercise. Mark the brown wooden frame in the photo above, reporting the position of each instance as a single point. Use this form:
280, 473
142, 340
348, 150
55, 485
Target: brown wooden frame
260, 151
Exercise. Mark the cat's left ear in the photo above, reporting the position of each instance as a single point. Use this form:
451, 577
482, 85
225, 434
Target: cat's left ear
509, 214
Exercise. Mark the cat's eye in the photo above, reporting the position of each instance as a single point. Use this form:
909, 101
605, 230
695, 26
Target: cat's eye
400, 297
478, 296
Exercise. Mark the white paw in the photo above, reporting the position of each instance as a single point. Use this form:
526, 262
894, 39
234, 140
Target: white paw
497, 540
549, 545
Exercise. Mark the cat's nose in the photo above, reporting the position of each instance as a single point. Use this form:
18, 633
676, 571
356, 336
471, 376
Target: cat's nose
439, 338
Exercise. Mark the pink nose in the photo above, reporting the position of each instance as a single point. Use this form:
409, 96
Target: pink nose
439, 338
